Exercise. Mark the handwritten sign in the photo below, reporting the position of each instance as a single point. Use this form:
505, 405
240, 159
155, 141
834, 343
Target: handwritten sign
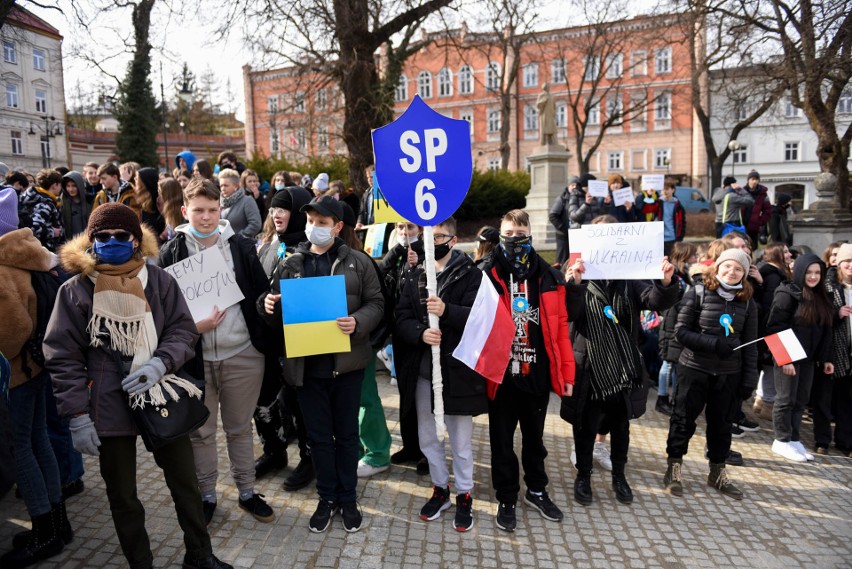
653, 182
619, 197
206, 281
620, 251
598, 188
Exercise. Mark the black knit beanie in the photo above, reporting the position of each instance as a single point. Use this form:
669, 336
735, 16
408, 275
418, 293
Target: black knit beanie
114, 216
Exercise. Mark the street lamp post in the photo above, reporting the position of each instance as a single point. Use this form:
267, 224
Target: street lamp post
733, 146
51, 129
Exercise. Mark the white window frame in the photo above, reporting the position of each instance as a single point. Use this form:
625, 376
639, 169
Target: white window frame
45, 147
401, 92
530, 118
792, 151
493, 121
661, 155
557, 71
495, 163
10, 52
465, 77
663, 107
561, 115
790, 110
321, 100
299, 103
639, 63
662, 60
615, 161
272, 104
594, 116
322, 138
592, 67
445, 83
531, 74
614, 65
740, 156
13, 99
17, 140
492, 76
844, 103
424, 84
467, 115
301, 138
39, 59
615, 103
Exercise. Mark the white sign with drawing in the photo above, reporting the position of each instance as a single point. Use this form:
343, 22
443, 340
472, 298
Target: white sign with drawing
598, 188
206, 281
620, 251
620, 197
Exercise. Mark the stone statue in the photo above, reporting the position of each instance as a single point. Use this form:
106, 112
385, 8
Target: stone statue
546, 117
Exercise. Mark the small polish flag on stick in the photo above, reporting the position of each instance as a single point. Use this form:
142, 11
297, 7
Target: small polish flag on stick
785, 347
486, 343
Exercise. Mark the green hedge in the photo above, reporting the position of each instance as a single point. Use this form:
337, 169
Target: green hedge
337, 167
493, 193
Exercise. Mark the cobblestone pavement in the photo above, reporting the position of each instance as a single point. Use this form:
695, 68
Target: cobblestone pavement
794, 515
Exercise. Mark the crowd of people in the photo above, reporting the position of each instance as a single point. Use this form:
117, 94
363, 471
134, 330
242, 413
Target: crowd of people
94, 317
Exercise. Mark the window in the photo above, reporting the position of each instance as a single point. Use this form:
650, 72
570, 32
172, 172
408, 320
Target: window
790, 110
663, 60
531, 75
613, 66
662, 158
741, 155
557, 71
615, 160
11, 95
41, 101
272, 104
494, 163
45, 147
445, 83
593, 68
465, 80
424, 85
639, 63
274, 146
561, 115
301, 138
467, 115
10, 54
638, 159
791, 152
741, 111
494, 121
614, 109
844, 103
492, 77
322, 139
17, 142
530, 118
593, 115
321, 99
299, 103
639, 120
401, 89
663, 108
38, 59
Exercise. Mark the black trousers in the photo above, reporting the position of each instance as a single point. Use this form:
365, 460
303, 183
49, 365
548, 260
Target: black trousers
843, 413
118, 469
832, 396
270, 416
699, 391
561, 248
291, 404
510, 408
602, 416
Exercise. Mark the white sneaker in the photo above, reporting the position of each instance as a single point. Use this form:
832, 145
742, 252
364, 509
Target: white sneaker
801, 448
394, 382
365, 470
601, 456
788, 451
383, 357
574, 456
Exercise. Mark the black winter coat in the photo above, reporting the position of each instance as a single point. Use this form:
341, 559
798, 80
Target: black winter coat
699, 331
772, 278
558, 214
464, 389
670, 348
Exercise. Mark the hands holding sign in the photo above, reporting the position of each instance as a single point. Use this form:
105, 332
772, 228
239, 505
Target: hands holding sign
576, 270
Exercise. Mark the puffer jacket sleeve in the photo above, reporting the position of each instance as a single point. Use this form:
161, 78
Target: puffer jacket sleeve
750, 353
65, 345
179, 336
782, 313
656, 296
409, 326
253, 221
369, 315
577, 207
688, 330
456, 314
556, 214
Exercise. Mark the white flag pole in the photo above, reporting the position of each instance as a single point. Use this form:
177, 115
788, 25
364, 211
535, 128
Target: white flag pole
432, 290
747, 344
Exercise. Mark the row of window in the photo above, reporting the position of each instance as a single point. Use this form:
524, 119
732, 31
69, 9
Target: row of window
844, 106
10, 55
639, 159
321, 102
792, 153
299, 139
16, 138
13, 98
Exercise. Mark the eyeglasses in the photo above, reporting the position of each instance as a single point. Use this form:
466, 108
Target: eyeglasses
442, 237
104, 236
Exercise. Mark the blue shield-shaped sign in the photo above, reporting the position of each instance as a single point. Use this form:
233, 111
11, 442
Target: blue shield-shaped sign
423, 163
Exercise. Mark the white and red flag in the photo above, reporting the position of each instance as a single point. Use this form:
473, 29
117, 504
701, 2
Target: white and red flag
486, 343
785, 347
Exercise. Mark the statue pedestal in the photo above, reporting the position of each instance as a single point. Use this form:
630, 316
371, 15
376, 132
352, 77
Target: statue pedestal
822, 223
548, 177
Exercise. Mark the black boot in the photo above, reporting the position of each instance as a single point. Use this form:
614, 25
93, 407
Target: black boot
673, 479
718, 479
60, 520
583, 488
301, 476
663, 406
45, 543
269, 462
622, 490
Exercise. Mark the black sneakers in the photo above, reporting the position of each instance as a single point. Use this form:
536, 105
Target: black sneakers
748, 425
439, 502
209, 508
506, 519
322, 516
258, 508
544, 505
204, 563
737, 432
464, 512
352, 516
301, 476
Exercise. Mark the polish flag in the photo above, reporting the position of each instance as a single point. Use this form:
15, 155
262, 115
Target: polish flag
486, 343
785, 347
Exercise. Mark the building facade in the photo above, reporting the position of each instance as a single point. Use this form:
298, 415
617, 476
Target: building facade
625, 85
32, 113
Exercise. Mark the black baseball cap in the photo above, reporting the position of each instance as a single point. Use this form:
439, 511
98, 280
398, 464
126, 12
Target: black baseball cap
324, 205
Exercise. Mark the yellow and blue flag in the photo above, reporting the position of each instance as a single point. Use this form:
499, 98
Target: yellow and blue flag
310, 308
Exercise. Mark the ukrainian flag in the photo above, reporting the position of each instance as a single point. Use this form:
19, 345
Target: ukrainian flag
310, 308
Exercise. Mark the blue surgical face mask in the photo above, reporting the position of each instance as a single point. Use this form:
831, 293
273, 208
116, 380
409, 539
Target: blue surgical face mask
113, 252
320, 236
280, 186
200, 235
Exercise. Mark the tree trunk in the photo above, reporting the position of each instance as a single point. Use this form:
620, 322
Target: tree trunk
505, 128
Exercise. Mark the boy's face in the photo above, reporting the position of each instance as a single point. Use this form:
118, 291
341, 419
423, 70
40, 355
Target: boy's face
71, 189
202, 213
91, 175
109, 182
408, 229
511, 229
318, 220
668, 193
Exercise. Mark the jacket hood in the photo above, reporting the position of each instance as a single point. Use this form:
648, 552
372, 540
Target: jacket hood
76, 258
77, 178
188, 157
21, 250
149, 177
800, 267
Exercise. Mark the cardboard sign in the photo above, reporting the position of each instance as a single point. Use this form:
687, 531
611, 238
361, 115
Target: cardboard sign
374, 240
382, 210
206, 281
619, 197
310, 308
423, 163
620, 251
653, 182
598, 188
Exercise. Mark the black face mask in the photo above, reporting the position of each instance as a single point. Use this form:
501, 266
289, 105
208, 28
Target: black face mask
517, 251
442, 251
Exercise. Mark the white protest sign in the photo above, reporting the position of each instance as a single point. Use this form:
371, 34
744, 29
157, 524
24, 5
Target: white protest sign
619, 197
653, 182
620, 251
598, 188
206, 281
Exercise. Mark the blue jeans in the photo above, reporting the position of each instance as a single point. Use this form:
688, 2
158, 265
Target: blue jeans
668, 373
69, 460
37, 470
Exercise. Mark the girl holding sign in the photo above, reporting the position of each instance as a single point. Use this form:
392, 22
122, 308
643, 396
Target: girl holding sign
802, 305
